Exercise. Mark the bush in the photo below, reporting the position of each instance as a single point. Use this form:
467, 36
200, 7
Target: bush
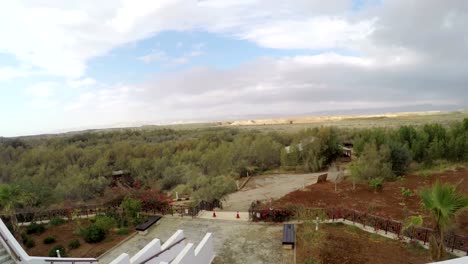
94, 234
56, 221
29, 243
24, 237
49, 240
122, 231
406, 193
53, 251
276, 215
35, 228
105, 222
376, 183
74, 244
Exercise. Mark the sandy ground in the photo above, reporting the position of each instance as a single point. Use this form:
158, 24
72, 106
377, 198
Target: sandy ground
266, 187
234, 241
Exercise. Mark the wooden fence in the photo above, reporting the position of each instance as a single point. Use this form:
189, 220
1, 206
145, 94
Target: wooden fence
39, 215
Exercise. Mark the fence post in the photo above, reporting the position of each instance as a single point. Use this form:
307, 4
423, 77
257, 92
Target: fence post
453, 243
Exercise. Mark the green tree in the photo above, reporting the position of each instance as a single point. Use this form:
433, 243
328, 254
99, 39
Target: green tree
131, 207
400, 158
443, 202
12, 197
372, 164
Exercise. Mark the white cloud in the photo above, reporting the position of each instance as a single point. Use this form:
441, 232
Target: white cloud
61, 37
84, 82
313, 33
42, 89
7, 73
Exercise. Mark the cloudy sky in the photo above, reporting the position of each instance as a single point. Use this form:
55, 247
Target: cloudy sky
81, 64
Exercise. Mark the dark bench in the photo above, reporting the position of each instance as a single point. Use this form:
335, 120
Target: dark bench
289, 236
151, 221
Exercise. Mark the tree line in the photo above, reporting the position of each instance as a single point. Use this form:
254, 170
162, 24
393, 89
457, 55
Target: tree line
205, 163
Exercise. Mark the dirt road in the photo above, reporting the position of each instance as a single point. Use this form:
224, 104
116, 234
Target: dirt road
266, 187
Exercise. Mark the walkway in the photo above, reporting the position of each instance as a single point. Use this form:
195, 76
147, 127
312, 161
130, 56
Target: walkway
266, 187
224, 215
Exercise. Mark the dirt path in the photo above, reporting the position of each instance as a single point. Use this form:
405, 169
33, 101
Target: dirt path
266, 187
234, 241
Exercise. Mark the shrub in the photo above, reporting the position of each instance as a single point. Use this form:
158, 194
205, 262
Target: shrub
24, 237
56, 221
49, 240
74, 244
105, 222
93, 234
276, 215
131, 206
53, 251
122, 231
35, 228
376, 183
29, 243
406, 193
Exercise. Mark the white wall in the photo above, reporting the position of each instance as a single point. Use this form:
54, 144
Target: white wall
203, 254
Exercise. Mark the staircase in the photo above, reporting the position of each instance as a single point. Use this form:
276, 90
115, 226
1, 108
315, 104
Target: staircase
4, 256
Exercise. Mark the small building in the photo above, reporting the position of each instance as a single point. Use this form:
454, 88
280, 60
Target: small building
122, 177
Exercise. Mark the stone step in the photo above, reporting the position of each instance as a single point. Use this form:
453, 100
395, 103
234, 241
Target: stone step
4, 258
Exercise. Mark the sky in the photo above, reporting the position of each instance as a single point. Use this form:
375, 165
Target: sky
68, 65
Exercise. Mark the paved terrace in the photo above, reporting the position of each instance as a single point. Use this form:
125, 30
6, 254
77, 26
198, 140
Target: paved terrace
234, 241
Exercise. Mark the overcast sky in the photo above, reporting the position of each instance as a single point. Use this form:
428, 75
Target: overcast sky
82, 64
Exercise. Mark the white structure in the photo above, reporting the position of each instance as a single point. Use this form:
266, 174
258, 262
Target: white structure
175, 251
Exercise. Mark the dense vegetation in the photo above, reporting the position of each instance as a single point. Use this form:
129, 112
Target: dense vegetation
385, 154
205, 163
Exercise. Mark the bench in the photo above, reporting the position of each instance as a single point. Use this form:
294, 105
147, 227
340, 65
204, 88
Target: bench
143, 227
289, 236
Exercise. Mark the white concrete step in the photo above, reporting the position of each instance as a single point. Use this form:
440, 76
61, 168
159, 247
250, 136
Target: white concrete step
4, 258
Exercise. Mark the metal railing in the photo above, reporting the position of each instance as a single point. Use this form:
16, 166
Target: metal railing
69, 260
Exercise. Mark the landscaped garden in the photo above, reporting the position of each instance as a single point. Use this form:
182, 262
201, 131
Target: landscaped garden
80, 237
341, 244
396, 200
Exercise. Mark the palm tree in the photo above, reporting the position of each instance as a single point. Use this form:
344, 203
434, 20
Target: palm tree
444, 202
11, 197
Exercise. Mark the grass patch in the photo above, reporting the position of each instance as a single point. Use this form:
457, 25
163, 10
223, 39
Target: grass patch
56, 221
439, 166
353, 229
416, 247
122, 231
